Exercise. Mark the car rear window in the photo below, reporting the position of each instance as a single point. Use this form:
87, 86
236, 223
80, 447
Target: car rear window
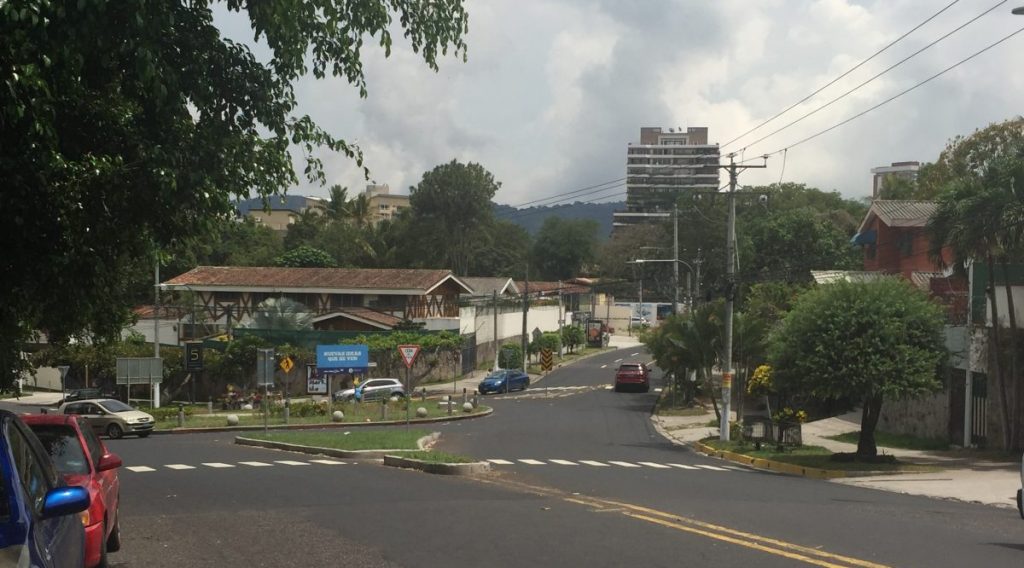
61, 442
629, 368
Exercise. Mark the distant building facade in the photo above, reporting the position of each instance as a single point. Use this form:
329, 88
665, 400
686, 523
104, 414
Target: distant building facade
281, 211
661, 166
905, 170
384, 206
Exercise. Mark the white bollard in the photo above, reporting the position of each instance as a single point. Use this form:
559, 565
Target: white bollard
232, 420
338, 416
421, 412
467, 407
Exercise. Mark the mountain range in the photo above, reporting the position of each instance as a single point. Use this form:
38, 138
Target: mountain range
532, 218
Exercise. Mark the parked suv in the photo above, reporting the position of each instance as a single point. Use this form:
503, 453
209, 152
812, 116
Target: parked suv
632, 375
375, 389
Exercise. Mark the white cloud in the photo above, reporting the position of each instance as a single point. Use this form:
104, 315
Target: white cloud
555, 89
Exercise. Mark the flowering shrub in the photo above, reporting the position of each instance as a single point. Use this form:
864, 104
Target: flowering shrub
760, 382
789, 416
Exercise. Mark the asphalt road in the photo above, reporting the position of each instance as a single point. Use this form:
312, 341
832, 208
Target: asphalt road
598, 487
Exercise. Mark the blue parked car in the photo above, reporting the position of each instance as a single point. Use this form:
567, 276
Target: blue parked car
505, 380
39, 520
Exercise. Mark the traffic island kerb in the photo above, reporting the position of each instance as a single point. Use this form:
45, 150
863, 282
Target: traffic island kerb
770, 465
472, 468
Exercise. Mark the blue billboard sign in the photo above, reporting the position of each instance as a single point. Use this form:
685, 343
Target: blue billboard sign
342, 356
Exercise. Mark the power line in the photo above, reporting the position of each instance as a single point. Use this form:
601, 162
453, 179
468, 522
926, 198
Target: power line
851, 70
521, 214
892, 98
876, 76
570, 192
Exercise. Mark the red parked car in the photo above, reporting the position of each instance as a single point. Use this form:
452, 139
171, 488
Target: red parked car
632, 375
83, 460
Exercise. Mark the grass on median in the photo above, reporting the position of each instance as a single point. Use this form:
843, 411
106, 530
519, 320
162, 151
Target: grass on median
813, 457
437, 457
901, 441
347, 440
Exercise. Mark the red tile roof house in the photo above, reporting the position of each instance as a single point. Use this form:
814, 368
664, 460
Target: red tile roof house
895, 241
341, 299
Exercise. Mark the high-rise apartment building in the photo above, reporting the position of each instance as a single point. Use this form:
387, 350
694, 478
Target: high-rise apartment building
663, 164
384, 205
906, 170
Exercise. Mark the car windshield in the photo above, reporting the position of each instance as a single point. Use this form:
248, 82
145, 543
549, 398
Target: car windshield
115, 406
61, 442
497, 375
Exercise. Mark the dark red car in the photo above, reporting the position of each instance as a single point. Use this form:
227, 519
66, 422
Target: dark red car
83, 460
633, 376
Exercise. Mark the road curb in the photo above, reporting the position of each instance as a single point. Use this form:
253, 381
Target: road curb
769, 465
326, 425
472, 468
423, 443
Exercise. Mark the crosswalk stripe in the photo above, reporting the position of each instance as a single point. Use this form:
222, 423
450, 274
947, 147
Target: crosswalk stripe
623, 464
594, 463
563, 462
328, 462
712, 467
257, 464
532, 462
139, 468
654, 465
683, 466
634, 354
218, 465
604, 366
179, 466
290, 462
500, 462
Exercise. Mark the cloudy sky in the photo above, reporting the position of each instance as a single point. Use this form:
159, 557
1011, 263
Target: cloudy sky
553, 90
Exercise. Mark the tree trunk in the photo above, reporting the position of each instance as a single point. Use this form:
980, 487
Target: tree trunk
1014, 387
866, 446
995, 350
714, 402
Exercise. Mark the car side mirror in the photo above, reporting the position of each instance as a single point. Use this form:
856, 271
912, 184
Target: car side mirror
109, 462
65, 501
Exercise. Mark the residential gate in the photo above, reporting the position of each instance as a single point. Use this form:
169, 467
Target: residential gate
979, 409
468, 353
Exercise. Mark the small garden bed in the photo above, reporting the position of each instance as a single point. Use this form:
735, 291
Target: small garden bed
902, 441
818, 458
391, 439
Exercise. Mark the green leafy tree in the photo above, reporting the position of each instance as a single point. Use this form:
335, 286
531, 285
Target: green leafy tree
865, 341
573, 336
337, 205
282, 314
127, 125
511, 356
305, 257
508, 253
306, 230
452, 213
564, 247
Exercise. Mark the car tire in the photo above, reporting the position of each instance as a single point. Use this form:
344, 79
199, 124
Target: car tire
144, 434
114, 540
103, 563
114, 432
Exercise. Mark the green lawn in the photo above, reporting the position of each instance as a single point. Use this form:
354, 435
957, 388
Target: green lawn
354, 412
813, 457
438, 457
392, 439
901, 441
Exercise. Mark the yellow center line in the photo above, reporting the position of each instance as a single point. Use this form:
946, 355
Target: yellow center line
737, 541
774, 542
694, 526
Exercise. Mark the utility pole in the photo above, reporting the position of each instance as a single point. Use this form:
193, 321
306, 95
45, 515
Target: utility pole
156, 308
526, 309
675, 256
696, 277
730, 295
561, 319
497, 343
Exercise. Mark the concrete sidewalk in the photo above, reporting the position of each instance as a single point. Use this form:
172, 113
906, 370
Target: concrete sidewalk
961, 475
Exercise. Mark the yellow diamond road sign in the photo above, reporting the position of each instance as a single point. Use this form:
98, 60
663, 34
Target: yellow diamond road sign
287, 364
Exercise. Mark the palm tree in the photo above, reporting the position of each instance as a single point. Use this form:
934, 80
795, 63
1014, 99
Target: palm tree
359, 211
282, 314
338, 206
